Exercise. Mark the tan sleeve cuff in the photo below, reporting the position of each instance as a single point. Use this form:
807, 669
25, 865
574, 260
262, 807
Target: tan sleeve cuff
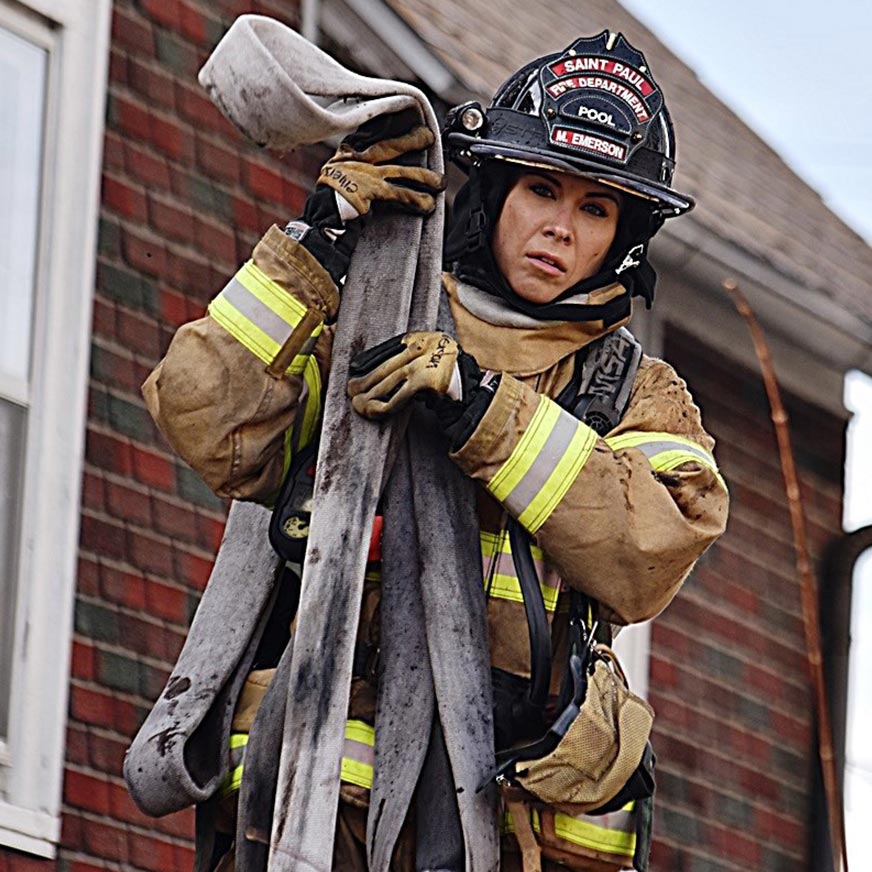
295, 269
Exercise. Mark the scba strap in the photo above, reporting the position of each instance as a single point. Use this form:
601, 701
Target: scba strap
597, 394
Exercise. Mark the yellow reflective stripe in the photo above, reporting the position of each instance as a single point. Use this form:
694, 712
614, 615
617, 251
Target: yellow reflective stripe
543, 465
261, 315
507, 825
619, 839
359, 743
663, 449
501, 579
510, 474
238, 742
312, 409
565, 473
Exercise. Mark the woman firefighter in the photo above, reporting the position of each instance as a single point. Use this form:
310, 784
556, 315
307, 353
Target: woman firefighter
596, 485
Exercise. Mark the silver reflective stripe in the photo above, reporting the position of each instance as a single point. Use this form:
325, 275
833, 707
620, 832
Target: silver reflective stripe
257, 312
551, 453
650, 449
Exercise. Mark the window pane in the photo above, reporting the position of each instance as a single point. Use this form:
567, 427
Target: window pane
22, 107
12, 434
858, 750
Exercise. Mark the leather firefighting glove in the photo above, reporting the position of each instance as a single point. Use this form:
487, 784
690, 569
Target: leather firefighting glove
374, 165
428, 366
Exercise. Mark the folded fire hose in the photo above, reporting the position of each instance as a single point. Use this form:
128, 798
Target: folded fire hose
283, 92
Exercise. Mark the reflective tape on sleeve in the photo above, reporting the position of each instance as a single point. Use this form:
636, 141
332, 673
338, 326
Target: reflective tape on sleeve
543, 465
665, 451
501, 577
261, 315
358, 753
238, 744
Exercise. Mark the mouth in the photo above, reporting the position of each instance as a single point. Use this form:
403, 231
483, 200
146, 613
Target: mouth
547, 263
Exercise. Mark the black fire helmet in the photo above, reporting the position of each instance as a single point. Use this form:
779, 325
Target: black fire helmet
592, 110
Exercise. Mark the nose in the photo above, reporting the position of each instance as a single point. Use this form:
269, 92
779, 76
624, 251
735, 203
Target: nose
559, 228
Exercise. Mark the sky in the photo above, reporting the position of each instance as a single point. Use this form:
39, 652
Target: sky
798, 74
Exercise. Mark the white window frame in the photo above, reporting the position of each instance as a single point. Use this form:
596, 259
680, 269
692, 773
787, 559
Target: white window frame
77, 35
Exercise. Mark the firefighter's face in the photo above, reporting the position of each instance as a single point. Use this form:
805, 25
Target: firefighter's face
555, 230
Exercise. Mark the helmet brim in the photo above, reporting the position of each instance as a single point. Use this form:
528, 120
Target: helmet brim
669, 202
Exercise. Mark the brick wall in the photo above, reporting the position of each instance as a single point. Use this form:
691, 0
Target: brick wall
729, 681
183, 200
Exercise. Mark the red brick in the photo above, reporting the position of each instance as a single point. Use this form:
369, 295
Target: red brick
184, 857
88, 577
173, 307
113, 151
131, 31
175, 520
72, 835
104, 318
82, 664
139, 333
102, 537
93, 492
167, 602
125, 199
146, 168
193, 24
245, 215
127, 717
172, 140
91, 706
105, 840
216, 240
192, 569
77, 746
191, 273
118, 67
132, 117
150, 853
127, 504
123, 588
23, 863
197, 109
86, 792
216, 160
106, 754
109, 452
153, 469
81, 866
152, 83
163, 12
170, 220
209, 533
149, 554
144, 251
263, 181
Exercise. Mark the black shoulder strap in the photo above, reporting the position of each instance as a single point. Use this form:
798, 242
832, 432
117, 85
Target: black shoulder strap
597, 393
602, 381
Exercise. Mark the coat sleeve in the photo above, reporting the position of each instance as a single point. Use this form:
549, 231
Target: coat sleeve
240, 385
622, 518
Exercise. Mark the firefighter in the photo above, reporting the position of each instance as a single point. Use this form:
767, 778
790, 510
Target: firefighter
570, 171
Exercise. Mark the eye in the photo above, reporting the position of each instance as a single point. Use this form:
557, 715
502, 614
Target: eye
593, 208
541, 189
